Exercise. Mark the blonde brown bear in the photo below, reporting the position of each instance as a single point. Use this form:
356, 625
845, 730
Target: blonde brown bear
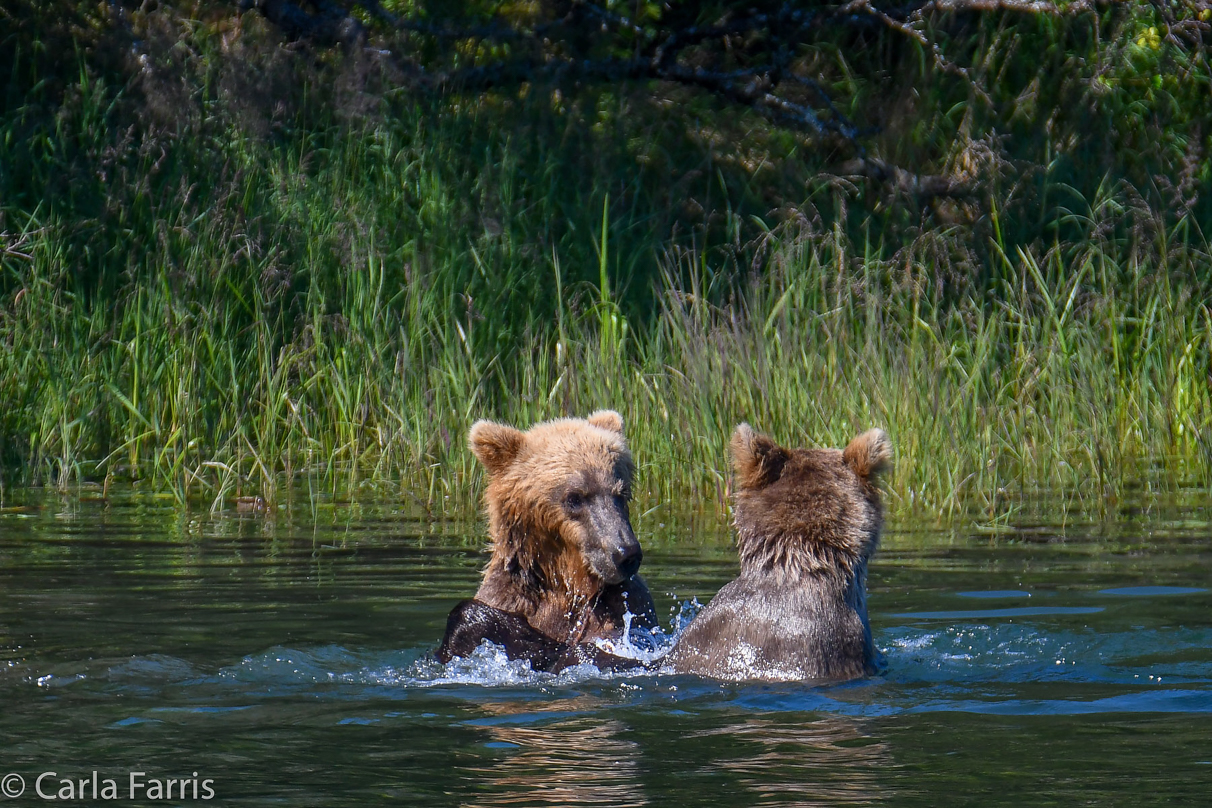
564, 558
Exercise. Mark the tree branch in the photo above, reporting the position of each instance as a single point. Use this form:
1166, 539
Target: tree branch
330, 25
1020, 6
584, 43
923, 187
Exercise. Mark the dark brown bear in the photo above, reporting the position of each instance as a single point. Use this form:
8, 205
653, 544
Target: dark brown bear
564, 557
808, 521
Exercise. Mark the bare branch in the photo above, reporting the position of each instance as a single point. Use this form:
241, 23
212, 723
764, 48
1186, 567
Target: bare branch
583, 45
330, 25
908, 29
1021, 6
923, 187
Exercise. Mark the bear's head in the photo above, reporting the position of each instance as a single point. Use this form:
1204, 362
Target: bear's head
558, 498
808, 511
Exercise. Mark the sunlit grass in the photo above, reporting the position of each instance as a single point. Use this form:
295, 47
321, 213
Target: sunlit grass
221, 310
1082, 372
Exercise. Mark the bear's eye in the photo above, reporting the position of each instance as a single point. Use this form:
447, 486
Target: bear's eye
574, 501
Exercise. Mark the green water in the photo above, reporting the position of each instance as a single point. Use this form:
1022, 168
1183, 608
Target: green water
284, 659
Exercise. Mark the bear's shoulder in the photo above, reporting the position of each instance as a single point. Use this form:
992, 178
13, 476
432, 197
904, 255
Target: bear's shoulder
755, 628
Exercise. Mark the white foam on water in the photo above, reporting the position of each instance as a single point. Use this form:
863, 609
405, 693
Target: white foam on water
487, 666
967, 666
647, 645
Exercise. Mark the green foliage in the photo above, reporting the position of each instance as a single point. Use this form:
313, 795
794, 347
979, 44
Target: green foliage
225, 267
1083, 371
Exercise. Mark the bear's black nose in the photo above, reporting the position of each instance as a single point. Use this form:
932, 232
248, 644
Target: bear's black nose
627, 558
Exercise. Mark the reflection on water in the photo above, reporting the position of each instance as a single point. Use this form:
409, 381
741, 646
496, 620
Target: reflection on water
568, 759
995, 594
985, 614
1153, 591
287, 655
828, 760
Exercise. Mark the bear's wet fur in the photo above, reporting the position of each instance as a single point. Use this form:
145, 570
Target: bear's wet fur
808, 521
564, 557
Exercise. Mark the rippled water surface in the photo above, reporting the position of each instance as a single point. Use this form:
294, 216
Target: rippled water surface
284, 657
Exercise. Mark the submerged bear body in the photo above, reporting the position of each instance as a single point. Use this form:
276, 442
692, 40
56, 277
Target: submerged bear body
808, 521
755, 630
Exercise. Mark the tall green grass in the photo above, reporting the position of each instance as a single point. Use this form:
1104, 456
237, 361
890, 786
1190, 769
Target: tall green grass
1076, 374
219, 291
1080, 372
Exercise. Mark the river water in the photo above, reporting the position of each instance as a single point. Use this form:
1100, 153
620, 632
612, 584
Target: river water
282, 659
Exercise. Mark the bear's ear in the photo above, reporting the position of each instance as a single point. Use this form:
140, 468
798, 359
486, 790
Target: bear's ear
870, 454
757, 459
609, 420
495, 445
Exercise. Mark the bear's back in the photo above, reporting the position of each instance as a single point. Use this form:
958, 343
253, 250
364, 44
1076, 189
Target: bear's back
759, 628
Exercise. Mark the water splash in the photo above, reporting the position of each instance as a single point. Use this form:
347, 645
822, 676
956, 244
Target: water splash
646, 645
487, 666
994, 667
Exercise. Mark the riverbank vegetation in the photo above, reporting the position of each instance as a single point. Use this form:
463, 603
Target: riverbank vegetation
234, 262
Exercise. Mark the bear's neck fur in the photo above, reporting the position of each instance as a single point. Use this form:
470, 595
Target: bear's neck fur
534, 572
812, 540
790, 557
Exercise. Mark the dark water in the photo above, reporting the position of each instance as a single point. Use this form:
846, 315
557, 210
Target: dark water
283, 658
